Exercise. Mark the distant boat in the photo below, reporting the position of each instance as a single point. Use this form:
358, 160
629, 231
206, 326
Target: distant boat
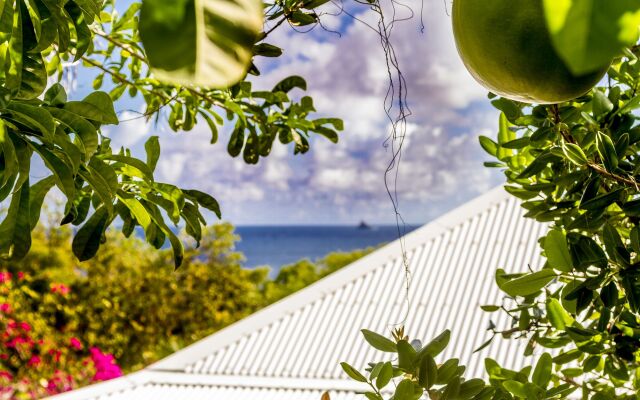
364, 226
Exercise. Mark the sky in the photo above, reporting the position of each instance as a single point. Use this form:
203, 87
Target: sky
336, 184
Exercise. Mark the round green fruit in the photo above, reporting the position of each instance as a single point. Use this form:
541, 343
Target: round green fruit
506, 46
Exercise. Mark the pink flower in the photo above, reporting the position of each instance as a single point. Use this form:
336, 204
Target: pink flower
5, 308
5, 276
60, 288
34, 361
6, 375
105, 364
75, 343
25, 326
20, 275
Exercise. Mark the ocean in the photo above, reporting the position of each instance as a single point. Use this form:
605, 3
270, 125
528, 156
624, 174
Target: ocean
277, 246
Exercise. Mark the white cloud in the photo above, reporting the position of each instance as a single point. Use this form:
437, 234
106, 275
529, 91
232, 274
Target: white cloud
347, 77
131, 130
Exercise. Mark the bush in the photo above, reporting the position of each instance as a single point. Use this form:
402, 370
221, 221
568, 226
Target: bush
39, 353
128, 304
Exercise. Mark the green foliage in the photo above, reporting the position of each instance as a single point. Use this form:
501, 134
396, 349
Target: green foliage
415, 371
102, 184
103, 307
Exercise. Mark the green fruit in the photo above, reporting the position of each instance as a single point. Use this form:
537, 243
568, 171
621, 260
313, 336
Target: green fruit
507, 48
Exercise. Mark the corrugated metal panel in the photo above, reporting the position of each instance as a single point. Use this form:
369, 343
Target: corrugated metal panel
304, 337
451, 275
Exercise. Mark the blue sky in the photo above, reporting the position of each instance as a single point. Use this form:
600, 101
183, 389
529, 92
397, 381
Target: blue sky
343, 183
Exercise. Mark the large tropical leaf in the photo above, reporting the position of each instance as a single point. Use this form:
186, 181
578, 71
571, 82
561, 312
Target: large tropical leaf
204, 43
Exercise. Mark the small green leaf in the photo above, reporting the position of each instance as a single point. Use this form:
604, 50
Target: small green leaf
406, 355
447, 371
607, 151
528, 284
289, 83
557, 251
405, 390
574, 153
152, 147
428, 373
601, 104
470, 388
384, 376
87, 241
557, 315
204, 200
437, 345
37, 194
379, 342
352, 372
489, 146
15, 229
516, 388
97, 106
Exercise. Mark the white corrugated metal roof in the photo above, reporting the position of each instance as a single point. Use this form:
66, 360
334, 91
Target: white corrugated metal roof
292, 349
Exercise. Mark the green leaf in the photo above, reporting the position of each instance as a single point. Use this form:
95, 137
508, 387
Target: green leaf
15, 229
267, 50
176, 244
447, 371
428, 373
138, 165
86, 132
557, 251
470, 388
204, 200
557, 315
528, 284
56, 95
405, 390
508, 107
437, 345
385, 375
607, 151
152, 147
97, 106
452, 390
588, 34
203, 43
602, 201
37, 118
574, 153
289, 83
378, 341
37, 194
516, 388
352, 372
87, 241
406, 355
601, 104
489, 145
138, 211
61, 171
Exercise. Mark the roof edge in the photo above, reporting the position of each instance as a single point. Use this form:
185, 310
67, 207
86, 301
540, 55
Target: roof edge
128, 381
181, 359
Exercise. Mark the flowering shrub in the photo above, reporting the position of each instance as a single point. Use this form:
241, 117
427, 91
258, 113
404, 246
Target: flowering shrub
39, 355
91, 315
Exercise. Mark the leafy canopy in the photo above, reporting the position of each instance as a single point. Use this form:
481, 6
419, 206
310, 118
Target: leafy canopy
215, 41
